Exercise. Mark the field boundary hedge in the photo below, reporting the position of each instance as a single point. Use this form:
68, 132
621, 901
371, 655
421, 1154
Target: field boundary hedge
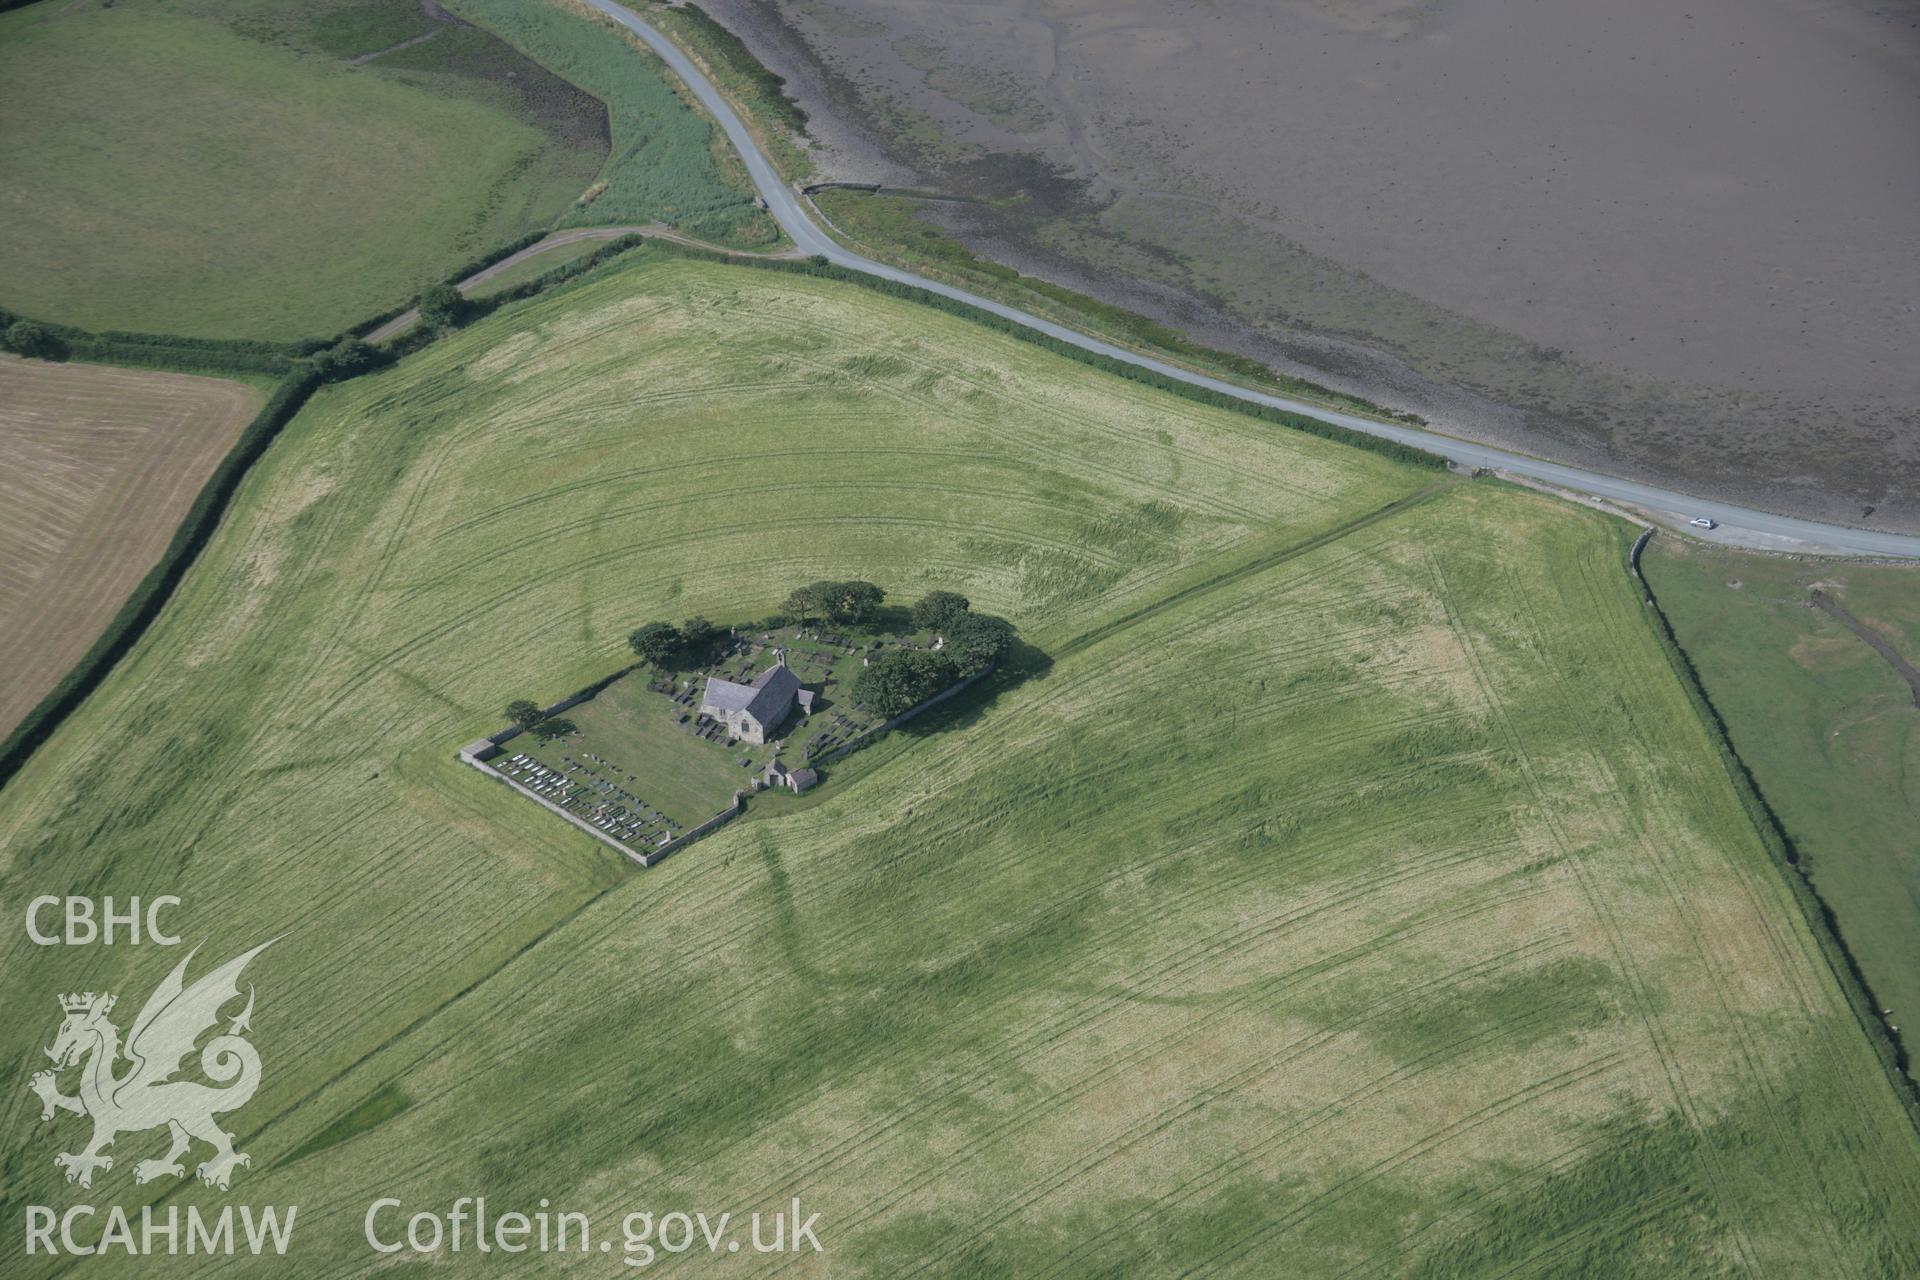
1305, 423
153, 591
1107, 364
1821, 921
259, 356
158, 350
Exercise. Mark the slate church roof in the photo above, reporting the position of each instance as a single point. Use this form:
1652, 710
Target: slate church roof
766, 699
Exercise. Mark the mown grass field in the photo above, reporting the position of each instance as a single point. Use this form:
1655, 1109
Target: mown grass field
97, 468
1828, 728
1348, 891
633, 728
217, 168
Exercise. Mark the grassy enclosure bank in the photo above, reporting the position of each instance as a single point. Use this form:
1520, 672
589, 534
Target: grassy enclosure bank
1352, 888
1827, 726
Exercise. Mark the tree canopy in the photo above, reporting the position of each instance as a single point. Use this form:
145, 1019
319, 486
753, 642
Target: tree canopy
347, 358
443, 305
523, 713
655, 642
975, 641
936, 610
841, 602
29, 339
901, 678
697, 633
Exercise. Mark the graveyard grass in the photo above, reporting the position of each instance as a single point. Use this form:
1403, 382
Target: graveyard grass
642, 735
1351, 890
674, 772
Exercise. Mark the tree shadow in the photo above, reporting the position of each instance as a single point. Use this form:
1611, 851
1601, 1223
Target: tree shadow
1023, 662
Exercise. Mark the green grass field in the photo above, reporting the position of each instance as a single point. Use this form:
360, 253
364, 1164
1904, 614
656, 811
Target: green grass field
217, 168
675, 773
1829, 730
213, 168
1352, 891
669, 162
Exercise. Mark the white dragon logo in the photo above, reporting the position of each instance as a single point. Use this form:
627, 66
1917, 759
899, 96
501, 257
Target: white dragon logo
147, 1096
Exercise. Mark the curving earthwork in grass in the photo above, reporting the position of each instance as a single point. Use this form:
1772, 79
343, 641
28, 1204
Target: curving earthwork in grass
1355, 893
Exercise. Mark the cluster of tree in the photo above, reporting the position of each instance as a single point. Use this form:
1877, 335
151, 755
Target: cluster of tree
661, 642
531, 719
969, 643
840, 602
24, 337
901, 678
347, 358
936, 610
443, 306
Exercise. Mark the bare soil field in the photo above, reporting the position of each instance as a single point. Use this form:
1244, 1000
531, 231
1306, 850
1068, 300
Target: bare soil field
1676, 242
97, 467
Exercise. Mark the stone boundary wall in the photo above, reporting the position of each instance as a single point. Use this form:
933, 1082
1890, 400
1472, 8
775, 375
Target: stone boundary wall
478, 752
712, 824
870, 735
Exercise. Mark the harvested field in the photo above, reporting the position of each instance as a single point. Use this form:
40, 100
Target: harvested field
97, 467
1351, 891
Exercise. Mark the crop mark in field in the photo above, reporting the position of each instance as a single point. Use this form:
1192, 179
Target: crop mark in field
1259, 564
1080, 1020
1598, 584
1603, 912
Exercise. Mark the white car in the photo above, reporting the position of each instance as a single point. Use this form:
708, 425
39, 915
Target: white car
1701, 522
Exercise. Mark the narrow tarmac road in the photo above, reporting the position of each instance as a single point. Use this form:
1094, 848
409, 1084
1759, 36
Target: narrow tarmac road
788, 211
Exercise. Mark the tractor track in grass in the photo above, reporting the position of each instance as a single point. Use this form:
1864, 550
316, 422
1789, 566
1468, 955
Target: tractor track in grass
789, 211
1051, 1031
1250, 567
1600, 908
295, 1106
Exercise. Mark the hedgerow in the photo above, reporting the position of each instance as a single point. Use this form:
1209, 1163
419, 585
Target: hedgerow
820, 267
148, 597
1821, 921
162, 350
